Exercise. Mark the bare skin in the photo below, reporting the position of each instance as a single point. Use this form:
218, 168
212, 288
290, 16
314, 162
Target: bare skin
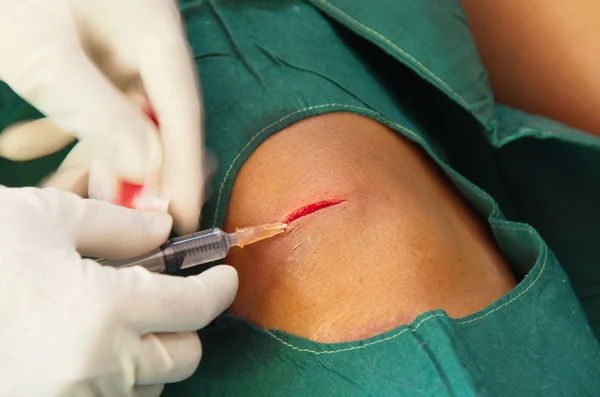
542, 56
403, 242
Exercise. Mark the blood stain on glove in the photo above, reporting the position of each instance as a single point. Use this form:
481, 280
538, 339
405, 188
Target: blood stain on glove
127, 193
131, 195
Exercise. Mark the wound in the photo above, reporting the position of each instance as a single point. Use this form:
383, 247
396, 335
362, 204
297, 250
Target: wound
309, 209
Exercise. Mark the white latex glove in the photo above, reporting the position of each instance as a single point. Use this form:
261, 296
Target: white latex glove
71, 327
80, 62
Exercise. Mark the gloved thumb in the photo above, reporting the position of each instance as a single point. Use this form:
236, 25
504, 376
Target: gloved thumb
53, 218
105, 230
75, 95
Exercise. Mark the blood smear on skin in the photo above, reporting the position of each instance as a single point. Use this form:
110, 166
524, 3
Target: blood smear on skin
309, 209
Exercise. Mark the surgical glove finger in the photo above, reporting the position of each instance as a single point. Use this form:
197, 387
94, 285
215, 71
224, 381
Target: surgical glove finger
105, 230
168, 358
174, 304
73, 173
32, 139
148, 391
95, 228
177, 106
67, 87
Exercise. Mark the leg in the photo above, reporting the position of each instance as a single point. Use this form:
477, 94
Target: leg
543, 56
403, 241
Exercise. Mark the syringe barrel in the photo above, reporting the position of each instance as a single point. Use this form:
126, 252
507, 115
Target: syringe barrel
180, 253
197, 248
153, 261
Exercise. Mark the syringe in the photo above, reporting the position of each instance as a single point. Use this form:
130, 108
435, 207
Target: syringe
196, 248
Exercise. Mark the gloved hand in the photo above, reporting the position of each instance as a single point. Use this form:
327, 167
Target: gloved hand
87, 65
71, 327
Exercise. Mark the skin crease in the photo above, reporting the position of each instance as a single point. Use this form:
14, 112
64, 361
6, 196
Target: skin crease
402, 243
542, 56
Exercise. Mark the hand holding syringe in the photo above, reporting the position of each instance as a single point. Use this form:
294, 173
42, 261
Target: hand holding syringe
197, 248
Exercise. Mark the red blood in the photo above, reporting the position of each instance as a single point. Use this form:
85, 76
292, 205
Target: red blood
309, 209
127, 192
150, 113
